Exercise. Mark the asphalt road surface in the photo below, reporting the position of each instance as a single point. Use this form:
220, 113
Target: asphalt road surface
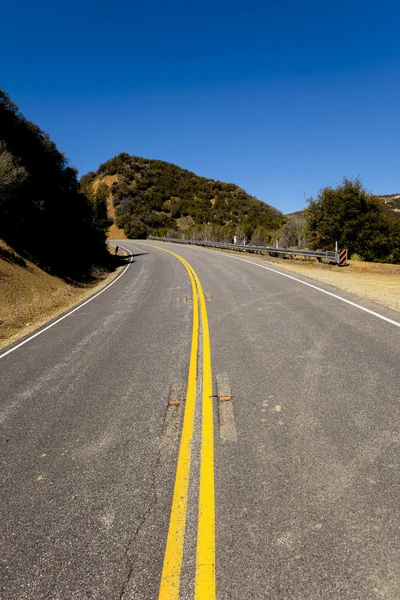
142, 458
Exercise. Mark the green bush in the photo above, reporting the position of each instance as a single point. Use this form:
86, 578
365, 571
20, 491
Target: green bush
357, 220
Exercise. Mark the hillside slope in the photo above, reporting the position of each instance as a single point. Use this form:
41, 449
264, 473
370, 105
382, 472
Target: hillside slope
159, 198
30, 296
113, 232
392, 202
41, 206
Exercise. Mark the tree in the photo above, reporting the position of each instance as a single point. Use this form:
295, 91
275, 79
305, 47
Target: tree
41, 207
136, 228
293, 233
260, 237
354, 218
12, 174
100, 197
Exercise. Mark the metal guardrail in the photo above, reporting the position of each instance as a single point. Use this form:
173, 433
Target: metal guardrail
328, 255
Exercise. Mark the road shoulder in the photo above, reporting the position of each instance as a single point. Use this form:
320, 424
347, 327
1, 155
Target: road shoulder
379, 283
52, 297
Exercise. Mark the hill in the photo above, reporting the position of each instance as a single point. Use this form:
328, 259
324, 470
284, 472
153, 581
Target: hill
392, 202
153, 197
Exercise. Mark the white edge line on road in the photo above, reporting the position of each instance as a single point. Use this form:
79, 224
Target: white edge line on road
31, 337
315, 287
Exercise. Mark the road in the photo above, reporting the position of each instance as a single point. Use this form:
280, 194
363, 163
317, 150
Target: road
288, 490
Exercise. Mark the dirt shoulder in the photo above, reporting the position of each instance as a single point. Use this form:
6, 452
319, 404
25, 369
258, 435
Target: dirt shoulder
373, 281
29, 297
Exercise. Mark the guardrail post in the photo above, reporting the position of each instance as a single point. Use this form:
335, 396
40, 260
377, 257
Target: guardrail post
343, 258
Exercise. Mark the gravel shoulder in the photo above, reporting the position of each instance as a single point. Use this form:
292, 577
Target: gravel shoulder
373, 281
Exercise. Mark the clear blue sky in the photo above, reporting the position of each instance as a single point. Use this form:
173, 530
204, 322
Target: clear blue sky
279, 97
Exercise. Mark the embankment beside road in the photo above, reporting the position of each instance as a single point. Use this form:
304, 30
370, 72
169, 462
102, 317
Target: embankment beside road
29, 296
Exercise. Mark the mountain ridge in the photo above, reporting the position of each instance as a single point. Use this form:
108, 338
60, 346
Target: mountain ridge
156, 197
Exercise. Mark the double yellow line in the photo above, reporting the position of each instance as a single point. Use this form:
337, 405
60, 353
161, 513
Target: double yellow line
205, 587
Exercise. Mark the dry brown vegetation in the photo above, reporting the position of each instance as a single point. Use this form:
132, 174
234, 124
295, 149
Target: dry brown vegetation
108, 180
113, 232
378, 282
29, 296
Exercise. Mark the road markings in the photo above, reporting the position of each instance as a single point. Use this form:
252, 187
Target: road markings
170, 578
315, 287
31, 337
205, 585
205, 580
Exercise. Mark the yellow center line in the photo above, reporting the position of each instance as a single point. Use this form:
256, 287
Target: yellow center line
205, 586
170, 578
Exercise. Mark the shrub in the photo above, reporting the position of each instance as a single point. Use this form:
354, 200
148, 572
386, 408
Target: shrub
354, 218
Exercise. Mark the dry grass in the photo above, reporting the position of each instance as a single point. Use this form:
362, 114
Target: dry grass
373, 281
29, 296
377, 282
109, 180
114, 233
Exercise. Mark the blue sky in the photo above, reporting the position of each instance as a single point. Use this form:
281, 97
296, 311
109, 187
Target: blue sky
281, 98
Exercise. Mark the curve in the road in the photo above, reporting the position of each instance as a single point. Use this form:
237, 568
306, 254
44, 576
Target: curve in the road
70, 312
315, 287
205, 586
